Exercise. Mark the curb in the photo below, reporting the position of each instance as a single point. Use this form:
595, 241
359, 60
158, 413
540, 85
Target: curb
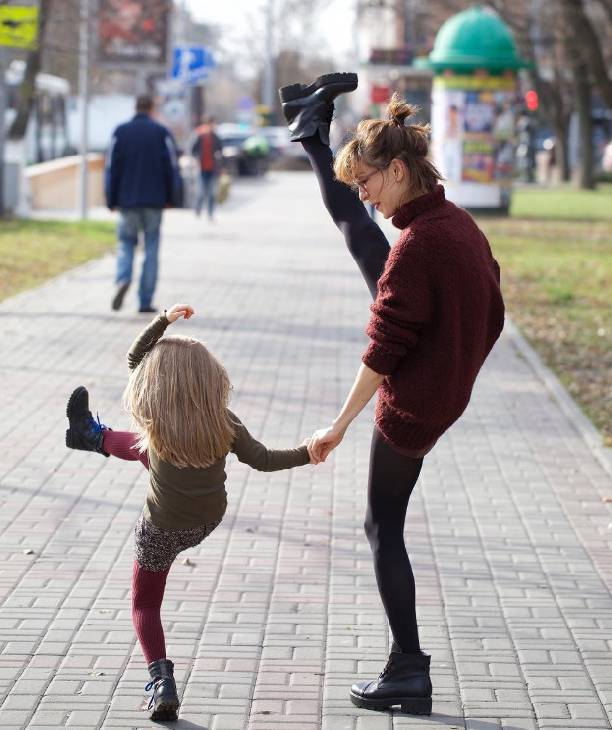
566, 403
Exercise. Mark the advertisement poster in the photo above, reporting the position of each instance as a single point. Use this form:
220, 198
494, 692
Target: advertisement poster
133, 31
474, 128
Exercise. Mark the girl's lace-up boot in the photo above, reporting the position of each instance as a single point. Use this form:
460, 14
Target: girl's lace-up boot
164, 702
84, 431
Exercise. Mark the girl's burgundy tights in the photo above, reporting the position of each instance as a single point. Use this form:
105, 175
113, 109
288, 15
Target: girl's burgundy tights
147, 586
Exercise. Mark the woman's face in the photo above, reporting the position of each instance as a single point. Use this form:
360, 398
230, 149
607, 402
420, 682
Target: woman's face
387, 188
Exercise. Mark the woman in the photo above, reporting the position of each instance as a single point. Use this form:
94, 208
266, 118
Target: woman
437, 312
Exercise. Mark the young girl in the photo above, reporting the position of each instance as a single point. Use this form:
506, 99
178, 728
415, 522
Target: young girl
177, 395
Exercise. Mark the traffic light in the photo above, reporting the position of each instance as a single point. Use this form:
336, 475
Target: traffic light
531, 100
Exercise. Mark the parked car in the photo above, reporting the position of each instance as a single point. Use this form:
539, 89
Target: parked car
284, 152
242, 154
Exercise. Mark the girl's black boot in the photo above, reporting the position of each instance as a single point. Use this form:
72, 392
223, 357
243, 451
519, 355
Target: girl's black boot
404, 681
309, 109
164, 703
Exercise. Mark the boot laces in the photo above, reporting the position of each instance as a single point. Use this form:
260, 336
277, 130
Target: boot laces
386, 669
152, 685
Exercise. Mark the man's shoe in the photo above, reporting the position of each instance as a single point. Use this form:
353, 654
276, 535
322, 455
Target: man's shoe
165, 702
147, 310
120, 292
309, 109
404, 681
84, 432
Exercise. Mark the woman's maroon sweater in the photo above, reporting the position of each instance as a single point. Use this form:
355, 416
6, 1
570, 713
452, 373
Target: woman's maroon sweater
437, 314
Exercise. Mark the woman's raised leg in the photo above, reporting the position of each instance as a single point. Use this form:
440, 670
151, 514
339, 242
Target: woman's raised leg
366, 242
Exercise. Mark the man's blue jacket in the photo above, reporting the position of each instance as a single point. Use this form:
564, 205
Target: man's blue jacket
141, 166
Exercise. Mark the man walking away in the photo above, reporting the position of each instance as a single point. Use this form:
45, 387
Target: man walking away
208, 151
142, 178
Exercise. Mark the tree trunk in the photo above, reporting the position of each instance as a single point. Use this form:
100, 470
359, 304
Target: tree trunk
588, 44
561, 127
586, 178
27, 88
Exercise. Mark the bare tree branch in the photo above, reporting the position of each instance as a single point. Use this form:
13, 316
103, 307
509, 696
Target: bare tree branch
588, 44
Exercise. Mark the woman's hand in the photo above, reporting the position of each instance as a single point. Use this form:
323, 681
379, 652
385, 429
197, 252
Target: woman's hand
323, 441
178, 310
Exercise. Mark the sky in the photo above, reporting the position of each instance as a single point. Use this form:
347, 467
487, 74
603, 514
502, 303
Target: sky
336, 19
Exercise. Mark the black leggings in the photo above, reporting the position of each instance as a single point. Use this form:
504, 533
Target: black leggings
392, 476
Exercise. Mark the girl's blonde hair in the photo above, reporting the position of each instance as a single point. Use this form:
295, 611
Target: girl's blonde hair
178, 399
376, 142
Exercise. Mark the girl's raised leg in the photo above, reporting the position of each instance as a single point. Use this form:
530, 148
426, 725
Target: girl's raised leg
122, 444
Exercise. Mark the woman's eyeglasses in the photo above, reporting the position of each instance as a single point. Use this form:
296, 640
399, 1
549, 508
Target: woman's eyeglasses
361, 185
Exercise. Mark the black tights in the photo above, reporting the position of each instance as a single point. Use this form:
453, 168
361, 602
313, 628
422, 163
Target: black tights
392, 476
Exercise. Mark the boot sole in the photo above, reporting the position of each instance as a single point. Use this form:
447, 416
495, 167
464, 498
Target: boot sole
298, 91
408, 705
73, 396
165, 711
71, 441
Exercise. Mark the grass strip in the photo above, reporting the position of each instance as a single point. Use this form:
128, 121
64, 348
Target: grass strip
557, 279
31, 252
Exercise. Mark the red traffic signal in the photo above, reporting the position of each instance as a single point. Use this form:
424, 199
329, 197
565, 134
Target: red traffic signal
531, 100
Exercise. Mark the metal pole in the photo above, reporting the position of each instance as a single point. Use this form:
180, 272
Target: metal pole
268, 95
84, 101
3, 105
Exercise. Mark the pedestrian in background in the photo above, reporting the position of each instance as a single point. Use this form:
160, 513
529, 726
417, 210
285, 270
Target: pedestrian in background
207, 149
142, 178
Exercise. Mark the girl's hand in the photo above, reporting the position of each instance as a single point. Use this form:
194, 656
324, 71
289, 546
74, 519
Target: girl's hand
306, 443
178, 310
323, 442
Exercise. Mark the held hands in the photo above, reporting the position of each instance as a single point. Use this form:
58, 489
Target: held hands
177, 311
323, 442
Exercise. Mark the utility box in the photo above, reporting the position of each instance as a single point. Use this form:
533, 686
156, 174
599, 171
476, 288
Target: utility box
475, 62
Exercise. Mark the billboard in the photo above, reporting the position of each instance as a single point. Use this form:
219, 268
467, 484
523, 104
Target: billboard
473, 135
133, 31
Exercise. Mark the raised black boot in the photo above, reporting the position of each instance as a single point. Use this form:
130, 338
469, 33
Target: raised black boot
404, 681
165, 702
84, 431
309, 109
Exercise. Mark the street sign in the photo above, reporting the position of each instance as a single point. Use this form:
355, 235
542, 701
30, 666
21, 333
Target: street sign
18, 26
191, 63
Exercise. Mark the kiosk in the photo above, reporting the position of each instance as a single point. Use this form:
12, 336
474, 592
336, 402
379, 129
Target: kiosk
474, 61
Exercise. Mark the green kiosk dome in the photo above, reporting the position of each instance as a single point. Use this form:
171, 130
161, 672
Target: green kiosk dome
474, 61
476, 38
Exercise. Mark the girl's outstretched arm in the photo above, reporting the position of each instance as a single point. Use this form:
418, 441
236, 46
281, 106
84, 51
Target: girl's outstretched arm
154, 331
256, 455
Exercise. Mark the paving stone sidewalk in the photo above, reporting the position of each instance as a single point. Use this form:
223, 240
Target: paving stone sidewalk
277, 612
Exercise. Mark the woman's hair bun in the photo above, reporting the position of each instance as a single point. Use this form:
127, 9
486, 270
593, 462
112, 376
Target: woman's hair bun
399, 110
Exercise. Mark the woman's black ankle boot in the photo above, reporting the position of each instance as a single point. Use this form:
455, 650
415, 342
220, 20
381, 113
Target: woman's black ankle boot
404, 681
309, 109
164, 703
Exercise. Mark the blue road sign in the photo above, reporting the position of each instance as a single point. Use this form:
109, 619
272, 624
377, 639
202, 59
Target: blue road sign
191, 63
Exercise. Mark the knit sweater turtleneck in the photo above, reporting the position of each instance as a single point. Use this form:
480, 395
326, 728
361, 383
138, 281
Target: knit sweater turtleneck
437, 314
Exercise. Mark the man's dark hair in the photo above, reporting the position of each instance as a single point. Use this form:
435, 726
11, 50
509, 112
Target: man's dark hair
144, 104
